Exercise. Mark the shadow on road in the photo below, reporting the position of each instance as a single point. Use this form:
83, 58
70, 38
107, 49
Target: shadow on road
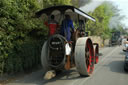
37, 78
65, 75
117, 66
100, 54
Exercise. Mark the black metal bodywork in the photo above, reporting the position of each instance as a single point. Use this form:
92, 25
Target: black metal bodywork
56, 51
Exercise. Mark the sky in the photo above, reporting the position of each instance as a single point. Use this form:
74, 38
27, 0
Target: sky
121, 4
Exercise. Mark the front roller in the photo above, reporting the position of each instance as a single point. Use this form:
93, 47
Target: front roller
84, 56
44, 55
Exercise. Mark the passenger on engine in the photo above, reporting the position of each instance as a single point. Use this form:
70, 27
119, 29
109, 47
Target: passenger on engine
52, 25
67, 27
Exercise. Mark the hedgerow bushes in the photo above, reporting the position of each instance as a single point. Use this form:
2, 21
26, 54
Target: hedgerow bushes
21, 35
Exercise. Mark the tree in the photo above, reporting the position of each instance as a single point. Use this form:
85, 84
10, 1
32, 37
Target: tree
48, 3
102, 14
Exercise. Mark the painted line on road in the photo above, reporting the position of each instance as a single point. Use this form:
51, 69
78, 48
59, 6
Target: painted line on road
108, 55
103, 59
82, 81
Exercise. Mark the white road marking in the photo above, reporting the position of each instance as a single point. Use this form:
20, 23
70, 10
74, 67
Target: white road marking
76, 82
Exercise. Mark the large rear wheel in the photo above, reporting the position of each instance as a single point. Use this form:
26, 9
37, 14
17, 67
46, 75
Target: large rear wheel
44, 55
84, 56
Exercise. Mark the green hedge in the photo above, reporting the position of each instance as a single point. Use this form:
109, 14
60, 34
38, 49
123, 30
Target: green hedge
21, 35
24, 57
21, 54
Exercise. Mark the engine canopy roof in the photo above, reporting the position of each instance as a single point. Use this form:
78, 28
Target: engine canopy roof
65, 9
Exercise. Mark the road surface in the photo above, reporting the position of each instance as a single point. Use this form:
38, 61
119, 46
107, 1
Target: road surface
109, 71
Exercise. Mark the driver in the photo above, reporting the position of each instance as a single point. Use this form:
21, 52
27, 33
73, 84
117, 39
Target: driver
67, 24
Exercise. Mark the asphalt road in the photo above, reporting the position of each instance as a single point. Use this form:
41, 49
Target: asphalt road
109, 71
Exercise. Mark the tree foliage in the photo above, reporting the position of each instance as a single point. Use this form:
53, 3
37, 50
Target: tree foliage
103, 15
48, 3
16, 25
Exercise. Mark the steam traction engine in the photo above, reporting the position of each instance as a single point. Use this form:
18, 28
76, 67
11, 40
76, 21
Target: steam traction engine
58, 54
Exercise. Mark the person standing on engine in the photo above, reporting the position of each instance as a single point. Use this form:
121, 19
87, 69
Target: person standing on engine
52, 25
67, 25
